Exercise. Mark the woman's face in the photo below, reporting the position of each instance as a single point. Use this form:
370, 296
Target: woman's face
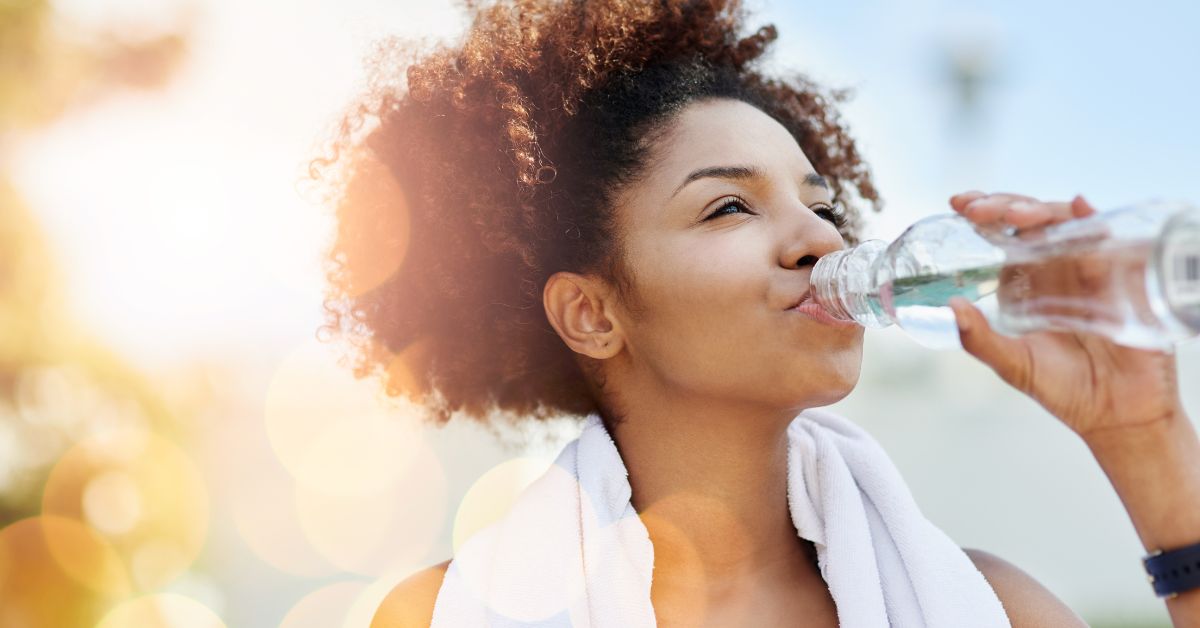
718, 257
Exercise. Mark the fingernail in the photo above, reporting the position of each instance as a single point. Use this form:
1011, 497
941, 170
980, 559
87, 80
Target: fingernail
1022, 206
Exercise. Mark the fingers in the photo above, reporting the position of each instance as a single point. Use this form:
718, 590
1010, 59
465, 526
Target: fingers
1021, 212
1025, 215
986, 208
997, 210
1008, 357
1080, 208
959, 201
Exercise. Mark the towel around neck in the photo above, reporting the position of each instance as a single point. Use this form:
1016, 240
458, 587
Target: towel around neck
572, 551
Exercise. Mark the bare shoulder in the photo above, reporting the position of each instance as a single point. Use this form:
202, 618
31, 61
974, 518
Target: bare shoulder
410, 603
1027, 602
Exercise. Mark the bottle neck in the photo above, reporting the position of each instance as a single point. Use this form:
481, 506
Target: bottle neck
825, 286
843, 284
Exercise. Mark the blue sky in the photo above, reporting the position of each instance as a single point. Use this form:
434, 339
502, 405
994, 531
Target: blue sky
1090, 97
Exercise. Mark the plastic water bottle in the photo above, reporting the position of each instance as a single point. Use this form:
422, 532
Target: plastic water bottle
1130, 274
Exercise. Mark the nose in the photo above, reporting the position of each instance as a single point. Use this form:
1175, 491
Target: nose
807, 238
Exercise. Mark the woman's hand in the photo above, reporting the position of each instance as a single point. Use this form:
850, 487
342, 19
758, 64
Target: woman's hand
1094, 386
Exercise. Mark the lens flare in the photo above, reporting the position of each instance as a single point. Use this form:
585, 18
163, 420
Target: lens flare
142, 493
374, 226
364, 607
112, 503
264, 513
659, 519
529, 541
259, 494
156, 561
162, 610
331, 431
57, 572
491, 496
402, 370
326, 607
377, 533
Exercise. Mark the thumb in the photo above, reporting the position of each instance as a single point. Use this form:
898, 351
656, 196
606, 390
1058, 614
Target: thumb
1008, 357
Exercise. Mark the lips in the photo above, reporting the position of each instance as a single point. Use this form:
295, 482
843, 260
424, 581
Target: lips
804, 298
808, 307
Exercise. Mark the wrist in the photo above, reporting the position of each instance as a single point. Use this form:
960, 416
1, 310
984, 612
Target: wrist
1155, 469
1141, 439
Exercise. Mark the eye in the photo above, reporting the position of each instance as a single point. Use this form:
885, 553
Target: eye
834, 214
733, 203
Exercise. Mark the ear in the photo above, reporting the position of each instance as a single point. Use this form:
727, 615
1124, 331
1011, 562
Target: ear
580, 309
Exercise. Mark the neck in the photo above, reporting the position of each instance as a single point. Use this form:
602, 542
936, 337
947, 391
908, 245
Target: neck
709, 481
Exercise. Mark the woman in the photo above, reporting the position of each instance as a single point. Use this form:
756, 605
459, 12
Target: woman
604, 209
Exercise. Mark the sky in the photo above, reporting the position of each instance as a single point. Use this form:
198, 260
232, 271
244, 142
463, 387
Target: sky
1087, 97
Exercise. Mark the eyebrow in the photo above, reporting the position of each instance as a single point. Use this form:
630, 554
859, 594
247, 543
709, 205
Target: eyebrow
811, 179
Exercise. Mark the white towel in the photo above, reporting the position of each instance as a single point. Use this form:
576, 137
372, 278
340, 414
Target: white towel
573, 552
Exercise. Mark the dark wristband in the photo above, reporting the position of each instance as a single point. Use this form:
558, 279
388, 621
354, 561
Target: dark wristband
1175, 571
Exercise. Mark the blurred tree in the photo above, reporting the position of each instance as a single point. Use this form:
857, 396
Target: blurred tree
47, 68
58, 385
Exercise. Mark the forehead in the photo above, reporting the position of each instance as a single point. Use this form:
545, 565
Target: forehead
724, 132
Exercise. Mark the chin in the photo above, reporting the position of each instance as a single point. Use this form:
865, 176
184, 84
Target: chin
834, 395
829, 389
840, 378
819, 377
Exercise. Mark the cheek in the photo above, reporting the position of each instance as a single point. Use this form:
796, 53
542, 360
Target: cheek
696, 331
702, 296
709, 324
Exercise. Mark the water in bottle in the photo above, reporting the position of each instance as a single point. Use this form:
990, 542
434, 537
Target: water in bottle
1130, 274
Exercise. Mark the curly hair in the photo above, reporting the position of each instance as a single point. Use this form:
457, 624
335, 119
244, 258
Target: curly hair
466, 175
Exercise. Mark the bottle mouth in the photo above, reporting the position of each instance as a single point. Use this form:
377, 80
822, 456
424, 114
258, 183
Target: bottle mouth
823, 289
842, 284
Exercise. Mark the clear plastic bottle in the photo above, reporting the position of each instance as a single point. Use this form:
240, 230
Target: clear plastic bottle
1131, 274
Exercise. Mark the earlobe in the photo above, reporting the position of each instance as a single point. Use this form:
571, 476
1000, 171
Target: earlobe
575, 307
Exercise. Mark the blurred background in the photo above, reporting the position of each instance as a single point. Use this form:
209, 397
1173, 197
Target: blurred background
178, 449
